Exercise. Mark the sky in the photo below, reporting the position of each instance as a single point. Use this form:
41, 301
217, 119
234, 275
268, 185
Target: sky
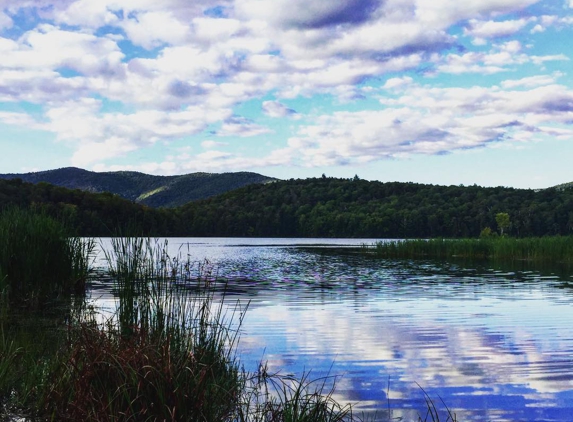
444, 92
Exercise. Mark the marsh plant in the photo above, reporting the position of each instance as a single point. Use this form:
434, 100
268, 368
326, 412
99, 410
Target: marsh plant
168, 353
40, 260
551, 249
42, 267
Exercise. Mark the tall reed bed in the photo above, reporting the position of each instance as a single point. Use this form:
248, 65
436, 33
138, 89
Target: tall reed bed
167, 355
40, 267
39, 260
556, 249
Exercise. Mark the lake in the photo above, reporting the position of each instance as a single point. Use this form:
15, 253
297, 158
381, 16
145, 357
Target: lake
494, 342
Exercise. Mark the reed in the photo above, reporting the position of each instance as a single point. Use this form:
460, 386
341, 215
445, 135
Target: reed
276, 398
39, 260
554, 249
169, 354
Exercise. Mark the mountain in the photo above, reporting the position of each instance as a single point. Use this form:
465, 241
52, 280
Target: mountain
153, 191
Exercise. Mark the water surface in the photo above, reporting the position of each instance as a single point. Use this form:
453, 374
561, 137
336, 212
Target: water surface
493, 342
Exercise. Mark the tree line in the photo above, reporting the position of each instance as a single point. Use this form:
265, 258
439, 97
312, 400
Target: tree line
319, 207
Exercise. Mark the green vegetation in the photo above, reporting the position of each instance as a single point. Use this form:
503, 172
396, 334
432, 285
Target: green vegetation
39, 261
328, 207
145, 195
89, 214
323, 207
502, 220
169, 355
554, 249
153, 191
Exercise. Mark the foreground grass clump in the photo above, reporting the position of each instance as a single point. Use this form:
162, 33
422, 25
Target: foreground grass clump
167, 355
39, 259
555, 249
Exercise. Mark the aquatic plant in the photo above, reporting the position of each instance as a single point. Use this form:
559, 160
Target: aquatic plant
554, 249
275, 398
39, 260
432, 414
168, 354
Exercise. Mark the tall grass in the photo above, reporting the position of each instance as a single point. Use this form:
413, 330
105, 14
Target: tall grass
39, 260
169, 354
274, 398
40, 267
555, 249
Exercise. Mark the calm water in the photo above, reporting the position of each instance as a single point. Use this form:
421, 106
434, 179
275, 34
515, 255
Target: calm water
495, 344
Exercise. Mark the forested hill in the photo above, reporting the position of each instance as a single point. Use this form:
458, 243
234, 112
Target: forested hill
324, 207
89, 214
358, 208
154, 191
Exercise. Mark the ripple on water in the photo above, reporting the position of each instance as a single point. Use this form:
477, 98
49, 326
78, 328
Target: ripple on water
494, 342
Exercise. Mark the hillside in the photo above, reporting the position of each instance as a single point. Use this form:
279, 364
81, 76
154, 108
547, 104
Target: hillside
90, 214
330, 207
153, 191
324, 207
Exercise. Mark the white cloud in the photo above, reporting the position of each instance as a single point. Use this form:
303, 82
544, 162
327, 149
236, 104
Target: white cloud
498, 59
98, 136
537, 28
492, 29
151, 29
48, 47
86, 13
213, 144
397, 82
529, 82
5, 21
555, 57
18, 119
426, 120
201, 66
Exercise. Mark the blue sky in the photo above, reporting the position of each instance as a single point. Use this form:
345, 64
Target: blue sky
432, 91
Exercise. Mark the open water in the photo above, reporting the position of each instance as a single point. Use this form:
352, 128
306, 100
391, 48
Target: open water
492, 342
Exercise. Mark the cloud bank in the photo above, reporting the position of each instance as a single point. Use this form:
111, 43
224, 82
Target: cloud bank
111, 77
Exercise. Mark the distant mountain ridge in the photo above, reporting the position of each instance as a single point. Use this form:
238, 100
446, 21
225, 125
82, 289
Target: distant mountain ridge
146, 189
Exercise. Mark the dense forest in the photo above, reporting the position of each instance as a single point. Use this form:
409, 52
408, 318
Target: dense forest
321, 207
146, 189
358, 208
90, 214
